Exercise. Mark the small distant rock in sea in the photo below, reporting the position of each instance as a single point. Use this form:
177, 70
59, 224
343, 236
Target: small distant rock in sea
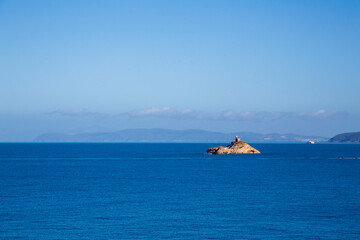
236, 147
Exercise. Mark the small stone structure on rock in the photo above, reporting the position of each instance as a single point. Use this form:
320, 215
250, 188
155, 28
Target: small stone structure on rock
236, 147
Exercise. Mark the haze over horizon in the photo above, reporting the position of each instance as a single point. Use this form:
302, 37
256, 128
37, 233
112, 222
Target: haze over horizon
226, 66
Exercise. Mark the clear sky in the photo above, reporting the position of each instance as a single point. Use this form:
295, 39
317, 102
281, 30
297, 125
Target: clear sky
263, 66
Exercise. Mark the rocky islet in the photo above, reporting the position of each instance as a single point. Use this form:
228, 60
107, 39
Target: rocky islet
236, 147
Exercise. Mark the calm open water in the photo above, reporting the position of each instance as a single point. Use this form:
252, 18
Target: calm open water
174, 191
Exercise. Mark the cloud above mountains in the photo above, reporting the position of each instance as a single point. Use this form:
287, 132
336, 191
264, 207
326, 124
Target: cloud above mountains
271, 116
81, 112
172, 113
166, 112
322, 115
259, 116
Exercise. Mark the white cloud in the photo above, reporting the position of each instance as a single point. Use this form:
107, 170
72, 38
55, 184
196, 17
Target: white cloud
154, 112
271, 116
165, 112
249, 116
322, 115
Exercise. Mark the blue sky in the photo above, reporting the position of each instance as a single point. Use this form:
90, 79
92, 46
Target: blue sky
265, 66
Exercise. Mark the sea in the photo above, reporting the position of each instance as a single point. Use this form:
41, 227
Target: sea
176, 191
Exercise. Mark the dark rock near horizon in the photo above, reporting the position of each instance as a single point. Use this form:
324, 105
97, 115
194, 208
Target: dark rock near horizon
236, 147
352, 137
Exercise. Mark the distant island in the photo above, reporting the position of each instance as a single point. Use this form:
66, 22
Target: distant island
352, 137
167, 135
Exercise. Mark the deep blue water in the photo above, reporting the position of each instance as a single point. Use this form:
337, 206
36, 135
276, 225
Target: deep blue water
174, 191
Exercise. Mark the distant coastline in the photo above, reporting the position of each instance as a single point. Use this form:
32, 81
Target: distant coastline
168, 135
351, 137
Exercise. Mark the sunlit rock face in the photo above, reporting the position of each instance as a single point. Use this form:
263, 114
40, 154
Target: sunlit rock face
236, 147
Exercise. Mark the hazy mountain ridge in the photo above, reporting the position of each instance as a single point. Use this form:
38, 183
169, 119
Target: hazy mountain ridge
346, 137
167, 135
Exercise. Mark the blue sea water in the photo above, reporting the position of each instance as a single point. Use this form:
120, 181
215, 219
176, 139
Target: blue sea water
175, 191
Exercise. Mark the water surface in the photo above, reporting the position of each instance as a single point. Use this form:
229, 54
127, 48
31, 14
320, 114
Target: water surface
174, 191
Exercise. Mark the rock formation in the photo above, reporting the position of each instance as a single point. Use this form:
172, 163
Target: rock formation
236, 147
